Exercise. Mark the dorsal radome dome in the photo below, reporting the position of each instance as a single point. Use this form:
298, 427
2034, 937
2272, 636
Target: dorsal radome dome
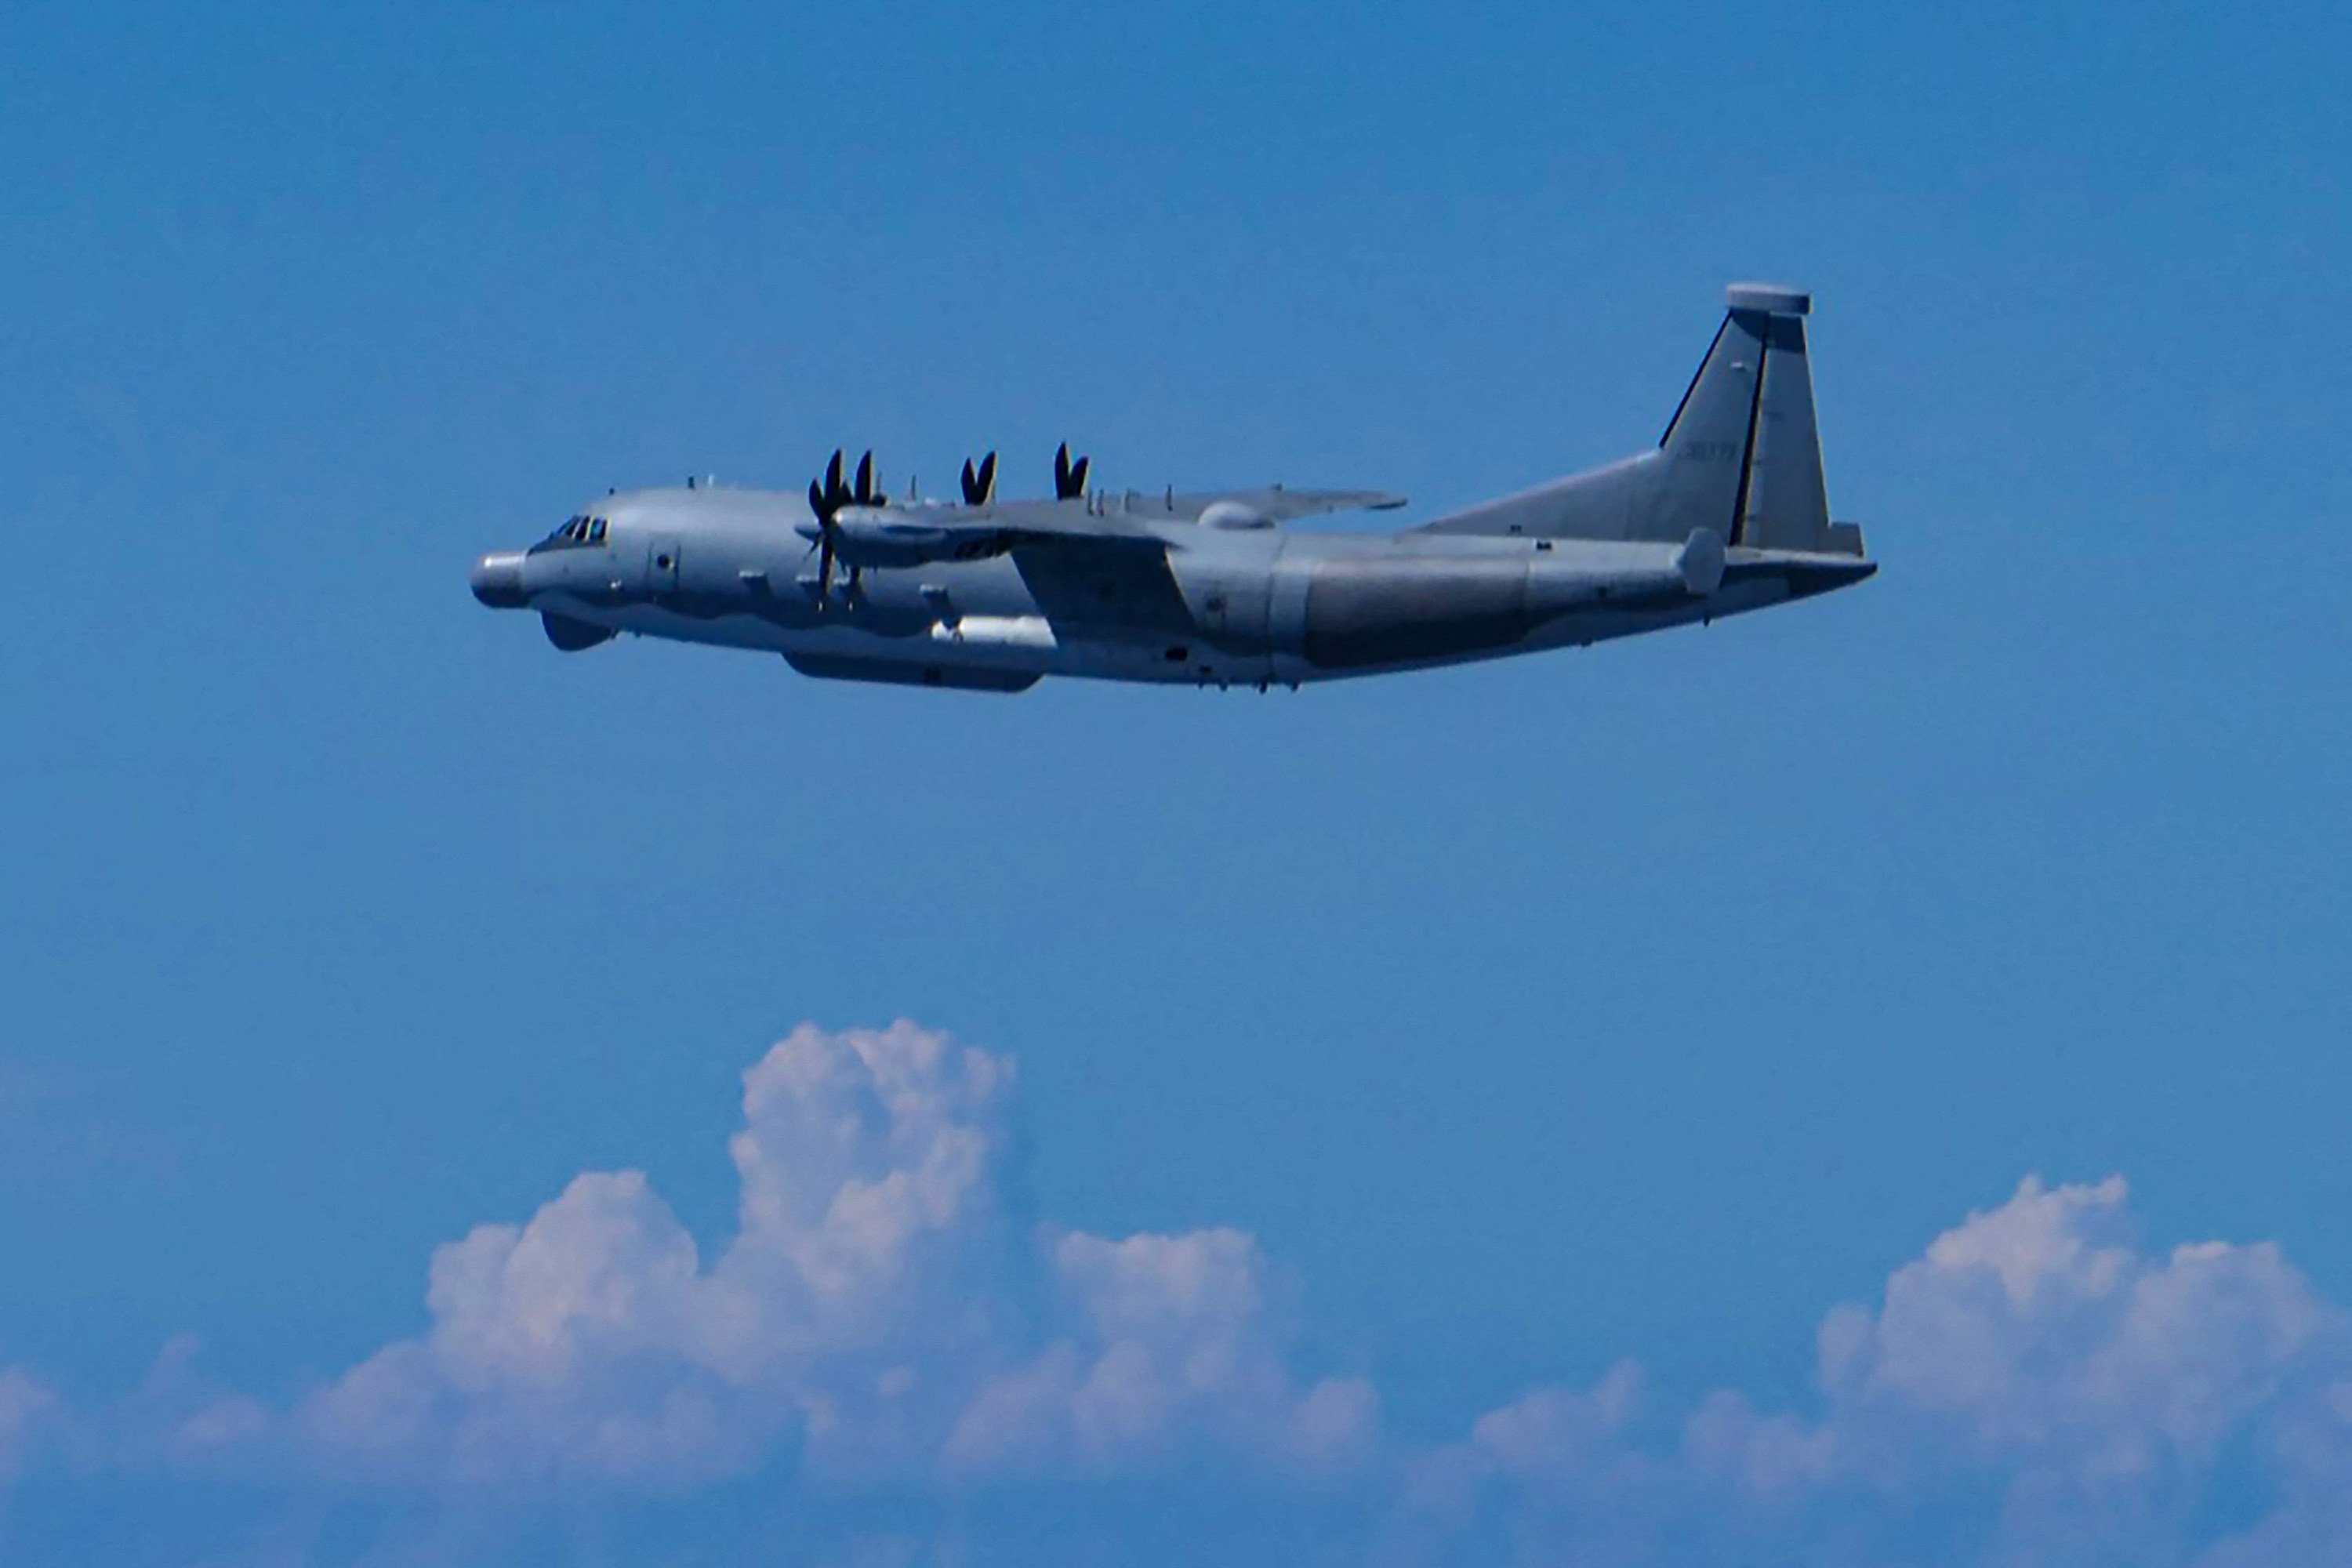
1233, 515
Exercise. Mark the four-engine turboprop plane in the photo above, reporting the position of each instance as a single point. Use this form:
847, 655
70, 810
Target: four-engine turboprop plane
1727, 513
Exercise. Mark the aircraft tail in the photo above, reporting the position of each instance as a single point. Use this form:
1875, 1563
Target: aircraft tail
1743, 452
1741, 458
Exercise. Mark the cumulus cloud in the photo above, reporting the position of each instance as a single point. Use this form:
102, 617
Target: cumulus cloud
2051, 1391
2037, 1389
2039, 1335
1164, 1335
876, 1311
2041, 1328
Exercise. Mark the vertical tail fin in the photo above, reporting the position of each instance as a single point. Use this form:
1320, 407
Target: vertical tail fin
1741, 458
1743, 452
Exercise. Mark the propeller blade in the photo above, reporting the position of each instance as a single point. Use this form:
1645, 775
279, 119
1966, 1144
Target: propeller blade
1070, 478
988, 480
826, 496
970, 484
865, 488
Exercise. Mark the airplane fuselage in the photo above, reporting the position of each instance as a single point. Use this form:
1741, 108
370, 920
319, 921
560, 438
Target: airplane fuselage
1223, 606
1727, 513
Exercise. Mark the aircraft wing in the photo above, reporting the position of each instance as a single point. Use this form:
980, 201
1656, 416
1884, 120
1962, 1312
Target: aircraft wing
1120, 512
1097, 539
1094, 562
1105, 580
1274, 503
1111, 511
908, 536
1087, 564
1037, 521
894, 535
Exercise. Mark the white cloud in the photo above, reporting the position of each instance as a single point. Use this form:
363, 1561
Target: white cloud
2039, 1334
876, 1307
1166, 1335
2063, 1395
1557, 1431
2040, 1326
2036, 1390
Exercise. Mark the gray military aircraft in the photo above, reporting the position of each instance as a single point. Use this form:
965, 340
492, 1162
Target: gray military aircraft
1727, 513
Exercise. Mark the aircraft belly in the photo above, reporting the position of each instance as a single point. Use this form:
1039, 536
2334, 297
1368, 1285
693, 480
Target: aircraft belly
906, 672
726, 630
1369, 614
937, 624
1288, 616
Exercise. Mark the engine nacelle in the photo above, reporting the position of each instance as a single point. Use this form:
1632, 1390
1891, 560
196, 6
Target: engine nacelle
877, 537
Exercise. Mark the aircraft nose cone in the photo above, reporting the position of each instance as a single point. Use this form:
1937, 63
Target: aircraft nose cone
498, 581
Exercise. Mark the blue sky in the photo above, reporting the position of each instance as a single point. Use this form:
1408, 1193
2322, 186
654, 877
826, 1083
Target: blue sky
1641, 1002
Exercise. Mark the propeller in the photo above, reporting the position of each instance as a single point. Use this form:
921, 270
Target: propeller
1069, 478
980, 483
827, 496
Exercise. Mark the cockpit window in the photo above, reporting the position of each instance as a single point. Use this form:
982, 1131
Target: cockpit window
577, 530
